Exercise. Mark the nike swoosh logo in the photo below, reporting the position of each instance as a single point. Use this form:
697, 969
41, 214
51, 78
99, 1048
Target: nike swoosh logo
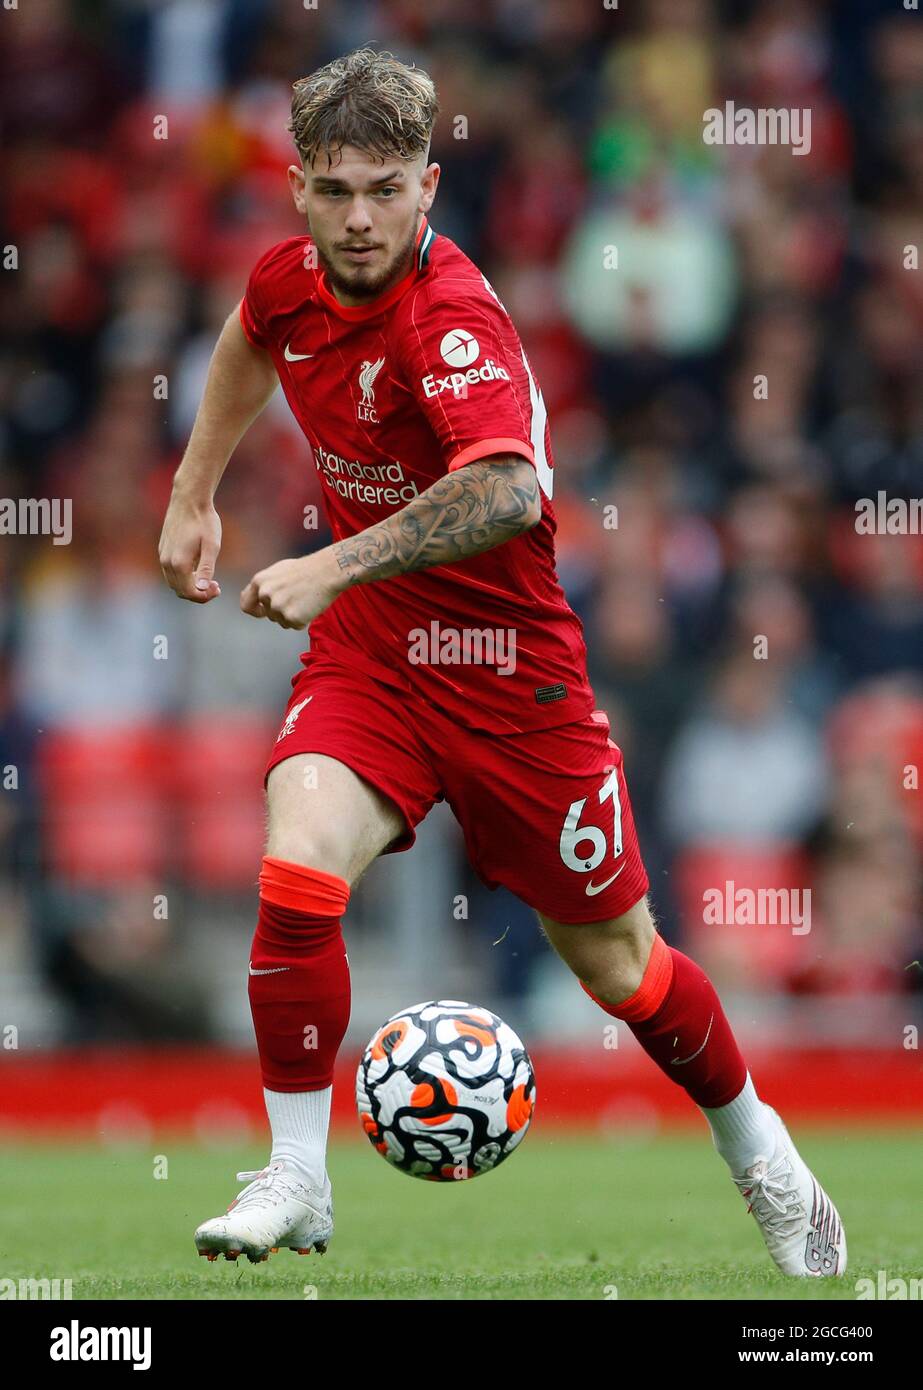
278, 970
296, 356
593, 888
681, 1061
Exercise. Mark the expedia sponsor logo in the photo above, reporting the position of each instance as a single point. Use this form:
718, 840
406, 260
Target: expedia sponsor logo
459, 348
458, 382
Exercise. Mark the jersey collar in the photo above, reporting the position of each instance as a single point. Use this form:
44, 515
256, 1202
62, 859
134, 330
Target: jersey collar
425, 238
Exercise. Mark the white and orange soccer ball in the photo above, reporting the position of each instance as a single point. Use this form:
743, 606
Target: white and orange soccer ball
445, 1090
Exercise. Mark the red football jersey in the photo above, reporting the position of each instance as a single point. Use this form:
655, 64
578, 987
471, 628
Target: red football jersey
392, 395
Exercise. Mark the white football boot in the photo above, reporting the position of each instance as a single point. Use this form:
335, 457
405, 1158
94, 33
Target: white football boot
800, 1224
277, 1210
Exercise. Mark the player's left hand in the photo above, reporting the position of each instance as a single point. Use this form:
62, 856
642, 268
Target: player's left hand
293, 593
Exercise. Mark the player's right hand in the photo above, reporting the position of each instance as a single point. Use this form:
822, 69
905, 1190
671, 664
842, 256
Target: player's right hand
189, 546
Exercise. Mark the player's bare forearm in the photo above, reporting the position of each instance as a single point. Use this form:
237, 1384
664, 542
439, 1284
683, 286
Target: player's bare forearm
473, 509
468, 511
241, 380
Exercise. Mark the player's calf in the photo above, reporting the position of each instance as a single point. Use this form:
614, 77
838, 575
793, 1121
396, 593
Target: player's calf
672, 1009
299, 990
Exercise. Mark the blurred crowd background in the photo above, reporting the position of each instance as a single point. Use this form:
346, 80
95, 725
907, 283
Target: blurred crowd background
136, 727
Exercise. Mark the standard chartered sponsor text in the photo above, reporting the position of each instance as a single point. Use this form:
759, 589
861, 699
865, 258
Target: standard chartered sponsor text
381, 484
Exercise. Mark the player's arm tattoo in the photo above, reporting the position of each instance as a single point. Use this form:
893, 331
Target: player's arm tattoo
468, 511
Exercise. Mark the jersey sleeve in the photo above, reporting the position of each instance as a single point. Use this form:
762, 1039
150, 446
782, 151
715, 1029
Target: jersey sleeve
461, 359
251, 323
268, 277
252, 318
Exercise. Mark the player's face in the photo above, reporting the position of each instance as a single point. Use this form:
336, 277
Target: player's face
363, 215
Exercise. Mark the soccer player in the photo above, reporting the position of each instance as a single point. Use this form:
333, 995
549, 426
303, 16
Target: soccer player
444, 660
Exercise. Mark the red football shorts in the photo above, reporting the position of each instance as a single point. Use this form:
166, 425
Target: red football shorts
545, 813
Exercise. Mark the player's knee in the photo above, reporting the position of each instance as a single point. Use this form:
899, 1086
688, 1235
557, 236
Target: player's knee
614, 977
611, 957
309, 846
621, 969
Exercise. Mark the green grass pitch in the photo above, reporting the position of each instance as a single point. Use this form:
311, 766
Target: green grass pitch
567, 1217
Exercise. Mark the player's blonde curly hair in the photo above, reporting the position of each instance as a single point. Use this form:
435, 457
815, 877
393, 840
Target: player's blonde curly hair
367, 99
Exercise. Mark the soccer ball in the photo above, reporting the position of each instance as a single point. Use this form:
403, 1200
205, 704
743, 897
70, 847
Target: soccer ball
445, 1090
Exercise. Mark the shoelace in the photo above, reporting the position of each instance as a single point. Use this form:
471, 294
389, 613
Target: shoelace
772, 1195
265, 1184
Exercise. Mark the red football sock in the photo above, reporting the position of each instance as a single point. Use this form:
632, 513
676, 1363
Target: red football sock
677, 1018
300, 1005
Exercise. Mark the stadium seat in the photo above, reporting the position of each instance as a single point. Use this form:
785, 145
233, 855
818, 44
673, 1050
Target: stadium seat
103, 794
219, 807
881, 725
